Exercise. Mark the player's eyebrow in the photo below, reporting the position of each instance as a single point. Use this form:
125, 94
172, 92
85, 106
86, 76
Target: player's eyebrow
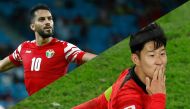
163, 49
41, 17
150, 51
45, 17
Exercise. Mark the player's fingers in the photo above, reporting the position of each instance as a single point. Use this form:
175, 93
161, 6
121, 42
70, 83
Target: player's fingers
164, 78
164, 69
148, 85
147, 82
165, 83
155, 75
160, 74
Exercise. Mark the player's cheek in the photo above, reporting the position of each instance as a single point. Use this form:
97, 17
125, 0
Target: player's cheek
149, 70
150, 66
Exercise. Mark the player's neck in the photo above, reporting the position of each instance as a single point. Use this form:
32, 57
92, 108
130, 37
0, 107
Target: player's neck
43, 41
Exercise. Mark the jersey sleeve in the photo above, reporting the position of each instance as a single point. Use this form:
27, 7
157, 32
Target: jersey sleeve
15, 57
73, 53
96, 103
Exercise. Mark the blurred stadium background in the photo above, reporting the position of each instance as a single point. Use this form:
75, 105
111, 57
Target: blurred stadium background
92, 25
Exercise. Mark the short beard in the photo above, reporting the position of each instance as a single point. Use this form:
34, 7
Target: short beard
45, 35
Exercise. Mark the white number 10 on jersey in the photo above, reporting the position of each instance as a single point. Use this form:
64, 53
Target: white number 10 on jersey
36, 62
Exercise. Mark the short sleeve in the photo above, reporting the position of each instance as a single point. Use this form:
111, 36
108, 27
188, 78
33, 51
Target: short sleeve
15, 57
73, 53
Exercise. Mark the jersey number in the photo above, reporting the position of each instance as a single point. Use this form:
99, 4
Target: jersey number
36, 62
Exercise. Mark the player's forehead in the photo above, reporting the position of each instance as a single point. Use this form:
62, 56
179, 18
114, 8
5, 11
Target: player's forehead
42, 13
150, 47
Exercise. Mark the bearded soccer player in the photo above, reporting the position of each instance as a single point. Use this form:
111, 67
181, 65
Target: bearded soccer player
44, 59
143, 85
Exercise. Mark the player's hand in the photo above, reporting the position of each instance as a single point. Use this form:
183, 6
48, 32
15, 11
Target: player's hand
157, 84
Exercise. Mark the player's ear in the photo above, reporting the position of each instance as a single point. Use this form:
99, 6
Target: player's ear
135, 59
32, 26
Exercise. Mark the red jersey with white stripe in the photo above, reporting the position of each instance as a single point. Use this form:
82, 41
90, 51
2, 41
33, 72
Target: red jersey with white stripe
44, 64
130, 94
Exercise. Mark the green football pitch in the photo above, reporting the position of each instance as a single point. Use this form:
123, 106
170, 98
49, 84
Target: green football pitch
94, 77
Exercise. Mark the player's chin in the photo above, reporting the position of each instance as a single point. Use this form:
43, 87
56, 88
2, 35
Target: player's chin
151, 73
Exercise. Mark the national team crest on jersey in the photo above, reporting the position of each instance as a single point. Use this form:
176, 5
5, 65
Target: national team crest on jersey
50, 53
130, 107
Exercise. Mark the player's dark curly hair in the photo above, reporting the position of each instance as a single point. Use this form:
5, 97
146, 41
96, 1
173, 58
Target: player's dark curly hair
36, 8
152, 32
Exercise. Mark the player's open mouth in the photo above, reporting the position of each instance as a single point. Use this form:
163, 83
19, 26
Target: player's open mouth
47, 28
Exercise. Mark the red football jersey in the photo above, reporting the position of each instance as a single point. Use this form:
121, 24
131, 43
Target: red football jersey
133, 95
126, 95
44, 64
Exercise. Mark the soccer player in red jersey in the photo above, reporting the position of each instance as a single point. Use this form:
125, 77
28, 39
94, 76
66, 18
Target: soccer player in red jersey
142, 86
44, 59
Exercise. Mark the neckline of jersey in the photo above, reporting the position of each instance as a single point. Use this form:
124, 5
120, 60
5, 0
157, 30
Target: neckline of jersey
52, 41
137, 80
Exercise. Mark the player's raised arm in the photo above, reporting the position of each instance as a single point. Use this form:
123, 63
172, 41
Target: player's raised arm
88, 56
12, 60
6, 64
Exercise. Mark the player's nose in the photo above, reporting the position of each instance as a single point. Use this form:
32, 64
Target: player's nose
47, 22
159, 61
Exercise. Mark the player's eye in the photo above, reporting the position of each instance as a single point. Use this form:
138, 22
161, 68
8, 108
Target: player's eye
41, 19
151, 55
49, 18
163, 54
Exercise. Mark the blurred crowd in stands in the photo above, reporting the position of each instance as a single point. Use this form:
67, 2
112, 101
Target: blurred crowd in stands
92, 25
